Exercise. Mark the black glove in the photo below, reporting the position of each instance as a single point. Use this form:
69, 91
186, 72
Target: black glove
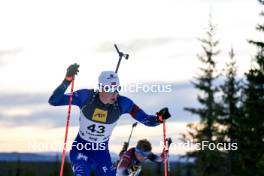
163, 114
169, 141
125, 146
124, 149
72, 70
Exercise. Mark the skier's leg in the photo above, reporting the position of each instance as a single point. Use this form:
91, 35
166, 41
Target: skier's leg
104, 167
80, 163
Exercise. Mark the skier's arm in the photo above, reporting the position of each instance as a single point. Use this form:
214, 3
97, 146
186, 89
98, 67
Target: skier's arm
58, 98
128, 106
124, 149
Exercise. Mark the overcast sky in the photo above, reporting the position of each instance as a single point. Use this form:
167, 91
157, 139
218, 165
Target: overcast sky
39, 39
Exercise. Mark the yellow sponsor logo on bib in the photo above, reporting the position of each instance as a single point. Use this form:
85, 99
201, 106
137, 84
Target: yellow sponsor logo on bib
99, 115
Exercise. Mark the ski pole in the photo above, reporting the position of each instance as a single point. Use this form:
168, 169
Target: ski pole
168, 143
121, 55
134, 125
164, 146
66, 131
126, 144
165, 153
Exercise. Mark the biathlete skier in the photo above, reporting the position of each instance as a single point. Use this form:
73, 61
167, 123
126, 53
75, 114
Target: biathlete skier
131, 160
99, 111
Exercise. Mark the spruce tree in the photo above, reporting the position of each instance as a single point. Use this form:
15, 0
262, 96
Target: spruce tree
251, 145
230, 116
207, 162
